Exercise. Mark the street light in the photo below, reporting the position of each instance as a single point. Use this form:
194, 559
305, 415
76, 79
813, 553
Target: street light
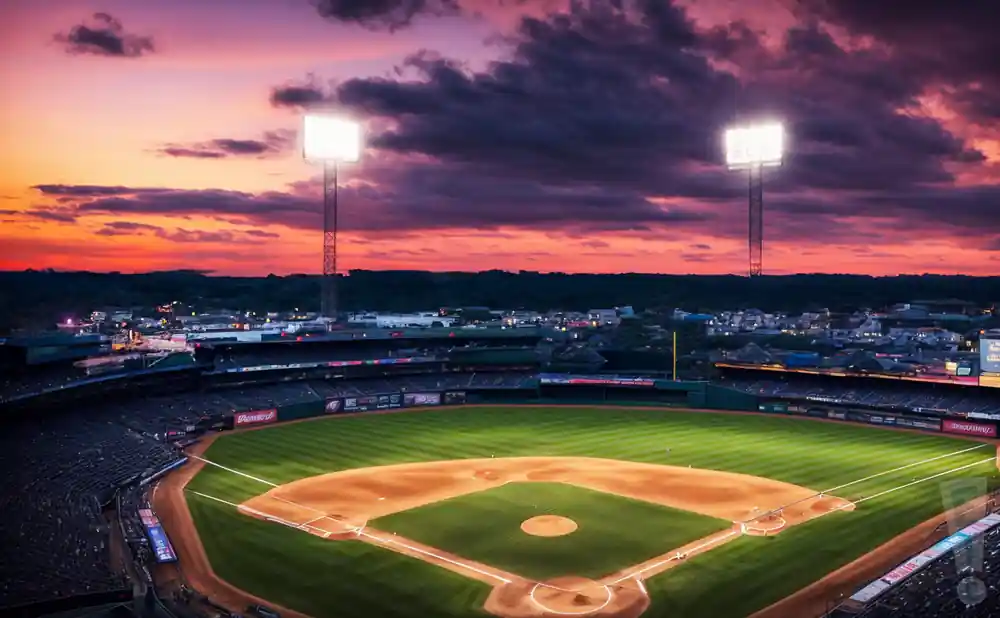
753, 148
330, 140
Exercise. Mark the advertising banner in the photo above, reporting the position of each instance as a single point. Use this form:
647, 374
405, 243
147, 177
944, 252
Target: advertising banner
162, 549
421, 399
373, 402
452, 398
256, 417
968, 428
581, 380
871, 591
334, 405
838, 416
986, 416
989, 355
930, 424
906, 569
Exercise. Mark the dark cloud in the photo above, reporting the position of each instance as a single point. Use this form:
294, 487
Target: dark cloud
43, 214
104, 36
272, 143
298, 95
951, 44
181, 235
628, 96
383, 14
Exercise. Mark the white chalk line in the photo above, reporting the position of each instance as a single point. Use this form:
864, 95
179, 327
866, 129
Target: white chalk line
360, 533
243, 474
862, 480
649, 567
923, 480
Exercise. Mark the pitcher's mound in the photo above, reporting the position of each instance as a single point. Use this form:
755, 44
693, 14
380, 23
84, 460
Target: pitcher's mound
548, 525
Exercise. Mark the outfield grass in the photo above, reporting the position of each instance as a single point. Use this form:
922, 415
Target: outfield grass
348, 579
613, 532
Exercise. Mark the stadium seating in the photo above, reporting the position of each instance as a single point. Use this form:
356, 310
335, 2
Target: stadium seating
932, 592
909, 395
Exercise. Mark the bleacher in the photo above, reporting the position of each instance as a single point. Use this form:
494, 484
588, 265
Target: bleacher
909, 395
933, 592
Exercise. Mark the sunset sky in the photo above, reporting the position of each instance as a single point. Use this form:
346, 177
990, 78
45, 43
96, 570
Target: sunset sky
539, 135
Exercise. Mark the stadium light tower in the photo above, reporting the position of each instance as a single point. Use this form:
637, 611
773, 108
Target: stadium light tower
330, 140
752, 148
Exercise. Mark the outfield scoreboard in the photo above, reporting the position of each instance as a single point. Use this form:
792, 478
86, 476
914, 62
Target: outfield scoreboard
989, 362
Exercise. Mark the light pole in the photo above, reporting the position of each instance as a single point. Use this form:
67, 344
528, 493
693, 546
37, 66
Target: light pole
330, 140
753, 148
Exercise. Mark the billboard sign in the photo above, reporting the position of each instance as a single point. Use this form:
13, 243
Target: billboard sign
968, 428
373, 402
162, 548
454, 397
581, 380
334, 405
989, 355
421, 399
256, 417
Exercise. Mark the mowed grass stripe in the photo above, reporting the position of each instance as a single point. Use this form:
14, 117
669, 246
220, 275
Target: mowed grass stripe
751, 572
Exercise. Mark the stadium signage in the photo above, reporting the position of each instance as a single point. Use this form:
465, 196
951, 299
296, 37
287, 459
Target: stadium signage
334, 405
583, 380
968, 428
162, 549
985, 416
421, 399
878, 587
373, 402
257, 417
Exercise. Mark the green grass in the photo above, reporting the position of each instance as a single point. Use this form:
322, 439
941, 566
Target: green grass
612, 532
350, 579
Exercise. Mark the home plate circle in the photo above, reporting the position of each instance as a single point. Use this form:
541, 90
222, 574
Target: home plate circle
571, 596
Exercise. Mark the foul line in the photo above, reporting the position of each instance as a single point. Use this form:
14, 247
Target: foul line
650, 567
918, 481
360, 533
243, 474
867, 478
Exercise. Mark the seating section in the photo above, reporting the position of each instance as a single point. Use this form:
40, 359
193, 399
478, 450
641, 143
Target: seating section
60, 471
933, 591
909, 395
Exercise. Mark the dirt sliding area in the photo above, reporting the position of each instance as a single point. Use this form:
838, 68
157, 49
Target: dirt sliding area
338, 506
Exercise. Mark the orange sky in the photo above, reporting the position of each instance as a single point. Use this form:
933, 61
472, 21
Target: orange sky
88, 120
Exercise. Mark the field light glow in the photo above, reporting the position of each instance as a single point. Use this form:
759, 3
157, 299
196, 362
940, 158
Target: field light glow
755, 145
330, 139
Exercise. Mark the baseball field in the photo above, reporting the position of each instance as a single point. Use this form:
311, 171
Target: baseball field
528, 511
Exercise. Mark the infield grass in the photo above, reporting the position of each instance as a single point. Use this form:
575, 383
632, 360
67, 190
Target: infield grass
612, 532
349, 579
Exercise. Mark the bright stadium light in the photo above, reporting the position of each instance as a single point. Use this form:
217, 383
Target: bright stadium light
754, 147
330, 140
758, 145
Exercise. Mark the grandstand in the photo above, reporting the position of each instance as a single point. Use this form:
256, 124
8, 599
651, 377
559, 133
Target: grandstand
81, 453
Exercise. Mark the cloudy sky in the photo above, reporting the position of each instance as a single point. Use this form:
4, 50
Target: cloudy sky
519, 134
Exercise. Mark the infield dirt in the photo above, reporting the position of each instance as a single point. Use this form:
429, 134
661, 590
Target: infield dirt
318, 502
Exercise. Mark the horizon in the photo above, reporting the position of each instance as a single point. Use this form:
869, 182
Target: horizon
162, 136
347, 273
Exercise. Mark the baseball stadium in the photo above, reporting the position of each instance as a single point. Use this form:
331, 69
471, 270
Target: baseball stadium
472, 473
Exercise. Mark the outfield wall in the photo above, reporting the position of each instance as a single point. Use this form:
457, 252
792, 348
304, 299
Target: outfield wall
603, 390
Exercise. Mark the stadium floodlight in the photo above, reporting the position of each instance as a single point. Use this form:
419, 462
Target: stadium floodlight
754, 147
330, 140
